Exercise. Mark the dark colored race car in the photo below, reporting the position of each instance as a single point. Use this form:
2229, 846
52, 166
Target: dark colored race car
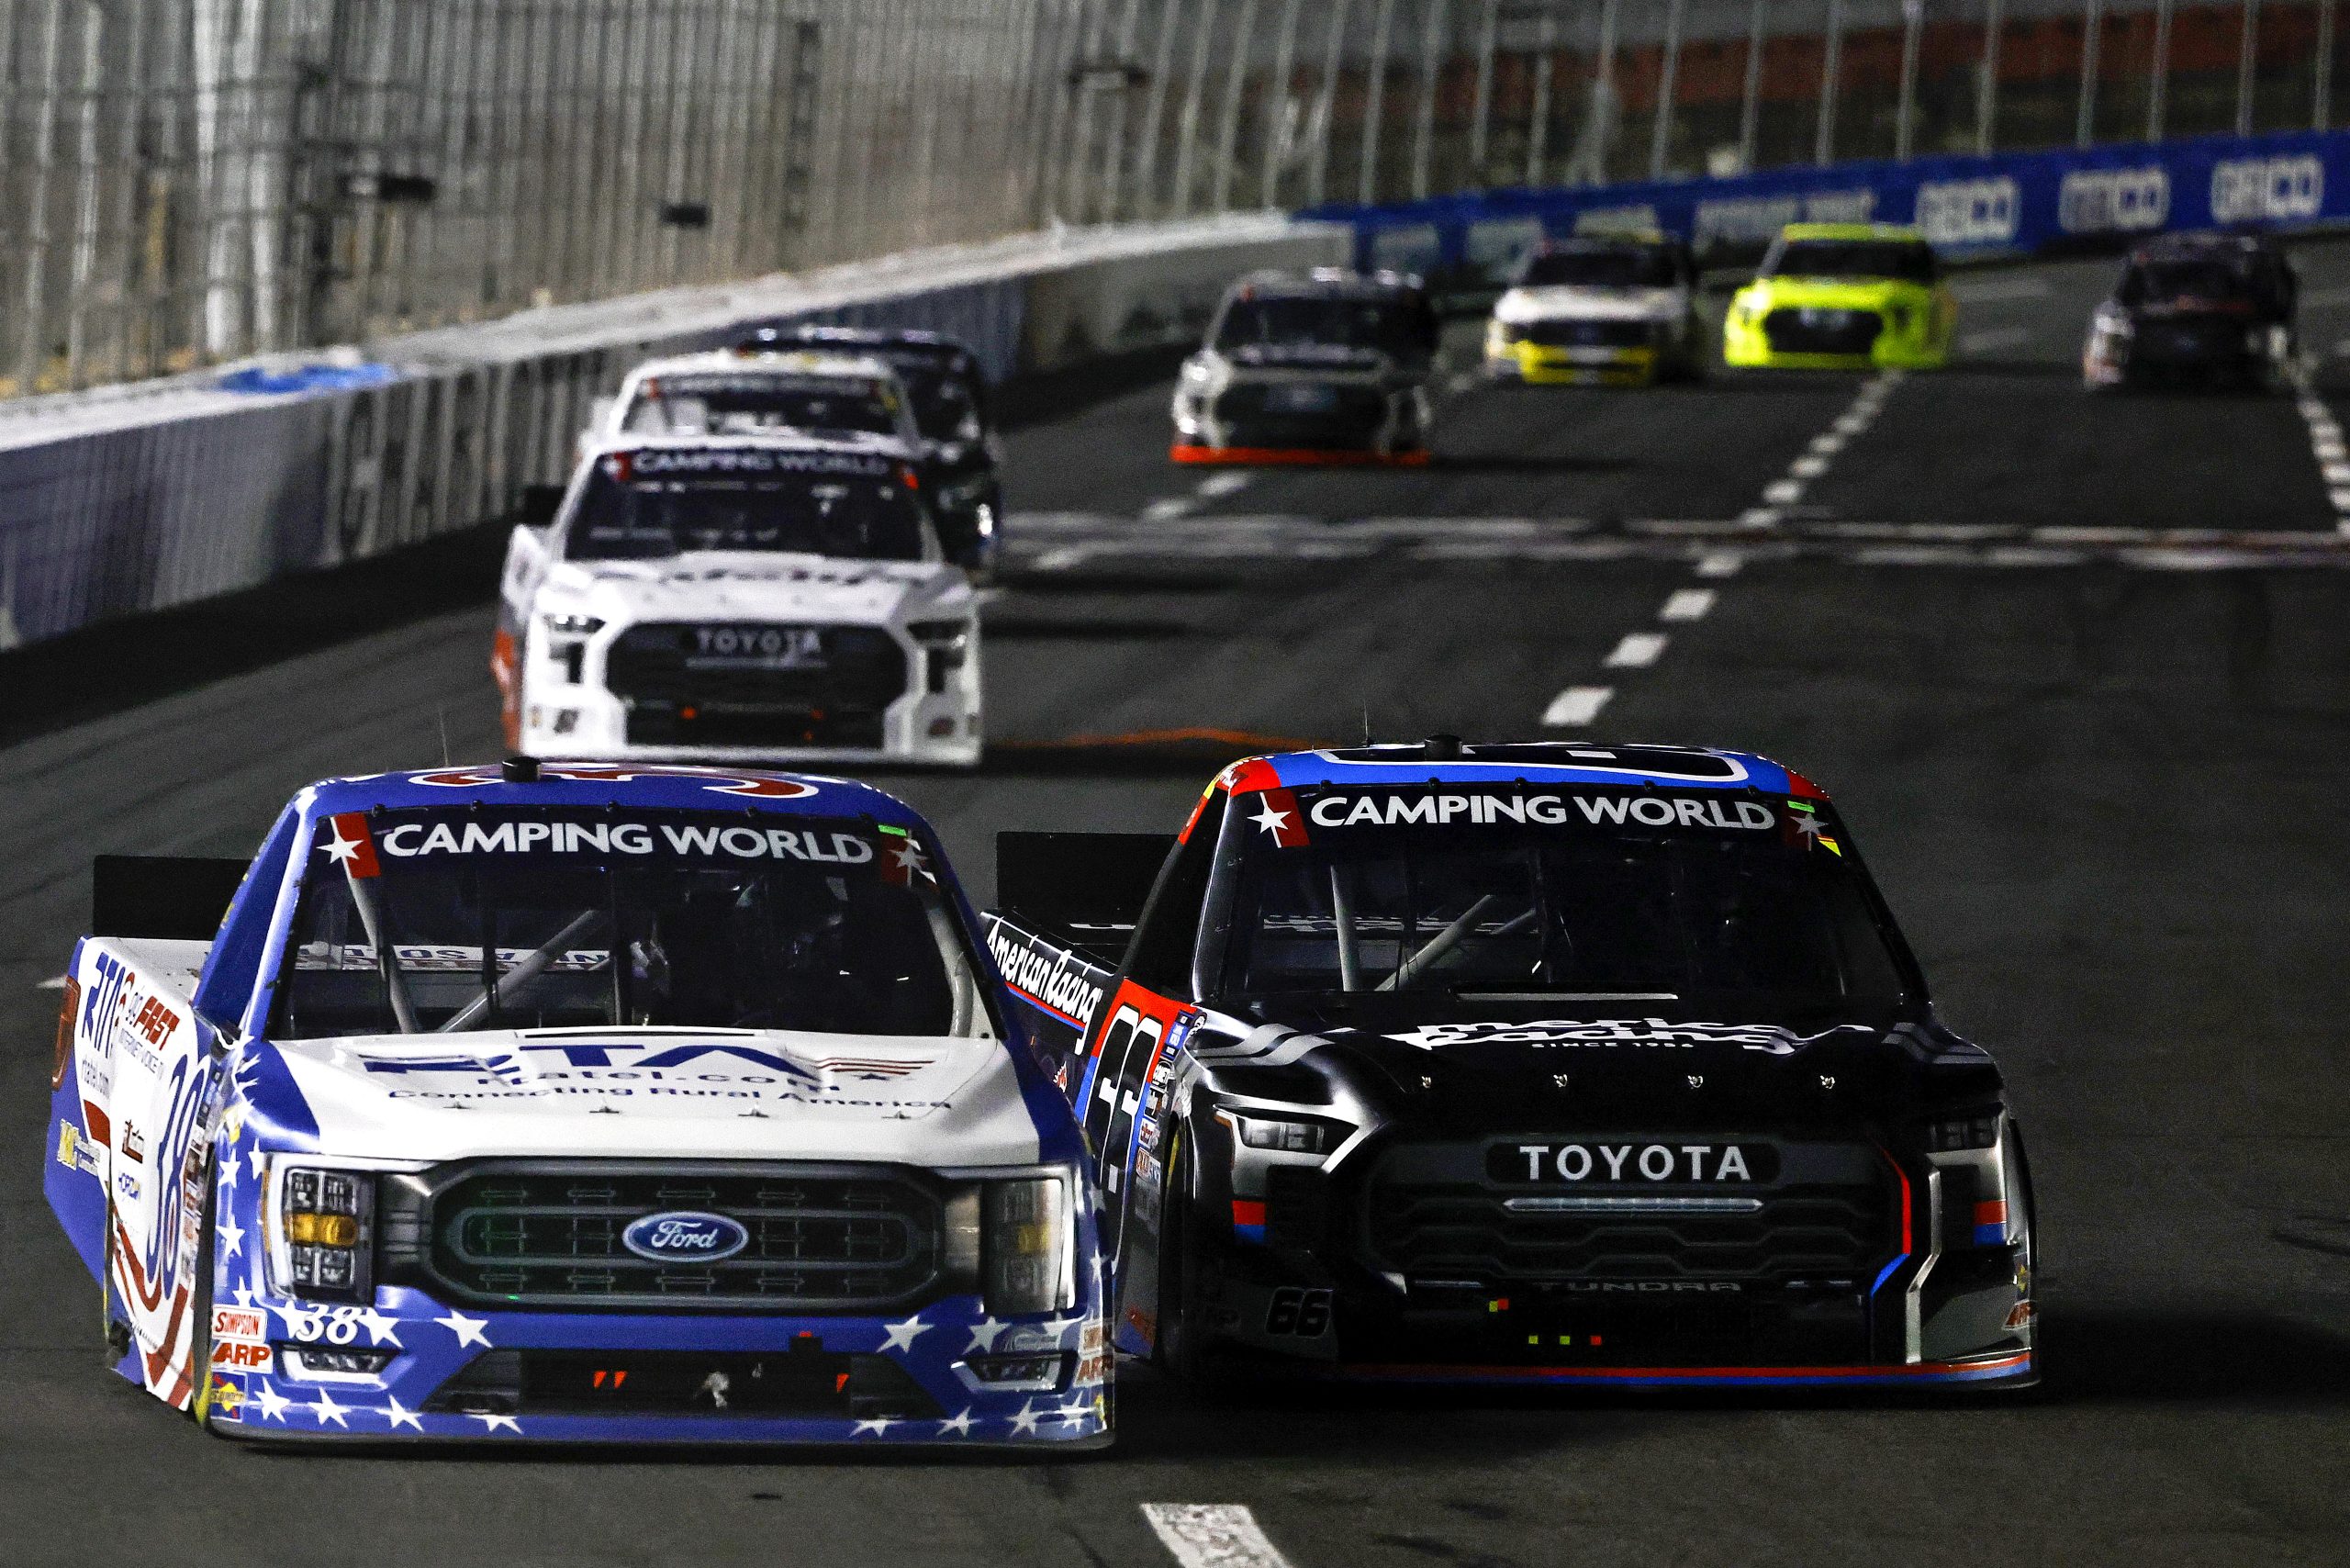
961, 451
2209, 308
1544, 1063
1321, 366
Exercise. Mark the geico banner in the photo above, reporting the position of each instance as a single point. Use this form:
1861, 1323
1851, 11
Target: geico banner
2018, 202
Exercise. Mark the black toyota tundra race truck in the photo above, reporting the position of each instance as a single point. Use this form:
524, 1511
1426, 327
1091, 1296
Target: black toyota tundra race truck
1550, 1063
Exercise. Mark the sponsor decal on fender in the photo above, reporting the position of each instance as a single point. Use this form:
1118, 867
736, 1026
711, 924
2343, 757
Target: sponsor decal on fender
240, 1340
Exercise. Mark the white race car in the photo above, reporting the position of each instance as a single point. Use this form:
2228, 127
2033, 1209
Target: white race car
757, 391
1617, 311
759, 600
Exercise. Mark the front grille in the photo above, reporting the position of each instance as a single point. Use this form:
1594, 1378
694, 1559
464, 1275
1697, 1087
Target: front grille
1813, 329
677, 696
2190, 343
1462, 1230
820, 1239
1609, 334
1255, 414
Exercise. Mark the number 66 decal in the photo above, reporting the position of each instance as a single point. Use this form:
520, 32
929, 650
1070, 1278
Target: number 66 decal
1300, 1314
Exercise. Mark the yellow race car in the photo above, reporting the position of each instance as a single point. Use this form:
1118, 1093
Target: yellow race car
1843, 296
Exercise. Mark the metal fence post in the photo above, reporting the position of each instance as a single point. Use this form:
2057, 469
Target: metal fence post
2092, 45
1668, 81
1832, 65
2247, 51
2158, 72
1987, 81
2322, 87
1905, 114
1326, 104
1374, 98
1750, 106
1481, 116
1537, 111
1187, 124
1282, 125
1432, 38
1235, 87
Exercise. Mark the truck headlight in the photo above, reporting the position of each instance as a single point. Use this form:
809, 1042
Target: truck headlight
324, 1233
1505, 333
1282, 1134
1027, 1244
945, 645
573, 625
1954, 1133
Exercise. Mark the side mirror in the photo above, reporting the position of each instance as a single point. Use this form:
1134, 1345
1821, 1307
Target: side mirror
538, 504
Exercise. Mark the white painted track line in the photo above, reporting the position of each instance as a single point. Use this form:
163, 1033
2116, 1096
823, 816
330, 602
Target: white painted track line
1720, 564
1213, 1535
1173, 507
1688, 604
1637, 651
1224, 484
1576, 705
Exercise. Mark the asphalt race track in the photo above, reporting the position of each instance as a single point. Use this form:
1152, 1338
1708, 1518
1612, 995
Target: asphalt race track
2077, 668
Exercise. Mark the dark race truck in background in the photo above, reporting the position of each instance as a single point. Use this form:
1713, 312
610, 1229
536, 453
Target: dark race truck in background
1549, 1063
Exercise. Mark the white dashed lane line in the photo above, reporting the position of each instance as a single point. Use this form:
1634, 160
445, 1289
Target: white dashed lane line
54, 982
1169, 508
1576, 705
1688, 604
1720, 564
1213, 1535
1637, 651
1824, 449
1224, 484
2325, 445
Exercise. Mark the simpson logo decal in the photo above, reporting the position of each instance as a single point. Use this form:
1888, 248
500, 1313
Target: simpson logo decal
1687, 1163
239, 1340
1399, 808
763, 786
1768, 1038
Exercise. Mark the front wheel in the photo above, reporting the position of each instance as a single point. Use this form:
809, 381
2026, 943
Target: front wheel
199, 1336
1181, 1346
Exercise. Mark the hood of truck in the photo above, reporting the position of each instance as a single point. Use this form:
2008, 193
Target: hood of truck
1465, 1068
747, 585
661, 1093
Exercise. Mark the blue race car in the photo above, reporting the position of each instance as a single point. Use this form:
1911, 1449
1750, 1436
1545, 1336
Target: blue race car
574, 1102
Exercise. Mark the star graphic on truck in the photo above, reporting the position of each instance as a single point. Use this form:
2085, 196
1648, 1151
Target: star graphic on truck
1271, 821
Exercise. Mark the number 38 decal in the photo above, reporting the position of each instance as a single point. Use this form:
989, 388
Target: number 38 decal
1303, 1313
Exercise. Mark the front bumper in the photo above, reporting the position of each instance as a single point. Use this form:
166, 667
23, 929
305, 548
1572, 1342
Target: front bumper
1848, 1268
567, 1377
932, 722
1542, 364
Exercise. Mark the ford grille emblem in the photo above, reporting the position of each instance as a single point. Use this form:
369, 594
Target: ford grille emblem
685, 1237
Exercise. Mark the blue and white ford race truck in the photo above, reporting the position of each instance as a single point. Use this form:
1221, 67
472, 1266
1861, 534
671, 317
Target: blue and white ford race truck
1568, 1064
575, 1102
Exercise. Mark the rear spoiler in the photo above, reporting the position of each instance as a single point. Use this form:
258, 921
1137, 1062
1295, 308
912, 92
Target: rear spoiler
176, 898
1086, 887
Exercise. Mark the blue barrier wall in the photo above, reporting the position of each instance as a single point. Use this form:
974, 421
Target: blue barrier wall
2020, 202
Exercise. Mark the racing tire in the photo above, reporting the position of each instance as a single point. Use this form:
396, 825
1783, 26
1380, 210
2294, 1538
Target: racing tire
1180, 1347
199, 1307
115, 1334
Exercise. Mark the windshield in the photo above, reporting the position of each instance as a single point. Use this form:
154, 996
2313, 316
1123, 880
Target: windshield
1642, 266
488, 918
1908, 261
2168, 283
1592, 893
1400, 327
733, 404
646, 505
946, 405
